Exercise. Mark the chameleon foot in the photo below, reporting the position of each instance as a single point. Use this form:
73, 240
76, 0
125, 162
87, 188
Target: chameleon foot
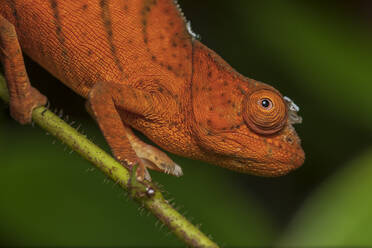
21, 109
152, 157
137, 186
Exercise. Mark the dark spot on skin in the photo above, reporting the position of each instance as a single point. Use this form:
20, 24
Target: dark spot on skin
171, 23
130, 41
174, 55
241, 90
145, 40
161, 89
209, 122
113, 50
65, 54
153, 58
15, 14
209, 74
222, 94
229, 101
161, 37
85, 6
180, 65
59, 29
210, 108
169, 67
54, 4
174, 44
237, 126
209, 88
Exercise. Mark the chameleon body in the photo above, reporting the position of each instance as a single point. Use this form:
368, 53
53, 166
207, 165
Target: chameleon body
139, 67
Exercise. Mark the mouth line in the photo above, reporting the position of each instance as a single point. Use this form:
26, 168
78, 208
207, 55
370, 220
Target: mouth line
259, 139
261, 169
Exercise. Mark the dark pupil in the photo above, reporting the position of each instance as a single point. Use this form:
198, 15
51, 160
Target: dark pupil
265, 103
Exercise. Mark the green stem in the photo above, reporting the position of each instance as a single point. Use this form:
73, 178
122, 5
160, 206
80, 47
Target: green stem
156, 204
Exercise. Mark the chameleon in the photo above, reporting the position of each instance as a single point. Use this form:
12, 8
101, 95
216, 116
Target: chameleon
139, 66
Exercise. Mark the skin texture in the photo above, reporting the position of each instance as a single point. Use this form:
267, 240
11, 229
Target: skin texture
138, 67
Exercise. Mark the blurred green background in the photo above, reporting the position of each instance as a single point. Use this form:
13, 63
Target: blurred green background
319, 53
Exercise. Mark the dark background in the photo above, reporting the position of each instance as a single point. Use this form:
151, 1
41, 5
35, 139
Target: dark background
317, 53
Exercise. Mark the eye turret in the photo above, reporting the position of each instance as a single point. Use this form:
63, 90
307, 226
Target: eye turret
265, 111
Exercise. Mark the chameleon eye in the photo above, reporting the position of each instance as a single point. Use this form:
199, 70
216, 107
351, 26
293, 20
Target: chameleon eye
266, 103
264, 111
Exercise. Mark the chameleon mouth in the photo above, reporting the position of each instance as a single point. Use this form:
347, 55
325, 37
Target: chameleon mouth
267, 169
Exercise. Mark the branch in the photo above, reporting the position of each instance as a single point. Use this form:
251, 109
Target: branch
156, 203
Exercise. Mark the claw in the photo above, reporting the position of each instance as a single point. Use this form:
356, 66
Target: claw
138, 187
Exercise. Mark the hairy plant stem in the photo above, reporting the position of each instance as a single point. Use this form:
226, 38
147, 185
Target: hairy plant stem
155, 203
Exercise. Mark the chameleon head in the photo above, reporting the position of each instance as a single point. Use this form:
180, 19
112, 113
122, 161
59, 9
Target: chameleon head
240, 123
259, 137
273, 146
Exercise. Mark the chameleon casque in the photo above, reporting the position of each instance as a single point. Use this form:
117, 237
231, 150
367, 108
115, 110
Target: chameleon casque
139, 66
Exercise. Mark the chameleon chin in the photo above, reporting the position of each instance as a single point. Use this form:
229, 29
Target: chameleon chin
272, 160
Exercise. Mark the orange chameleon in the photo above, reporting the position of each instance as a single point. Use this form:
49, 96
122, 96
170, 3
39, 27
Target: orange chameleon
139, 66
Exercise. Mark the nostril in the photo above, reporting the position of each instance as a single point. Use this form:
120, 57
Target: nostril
289, 140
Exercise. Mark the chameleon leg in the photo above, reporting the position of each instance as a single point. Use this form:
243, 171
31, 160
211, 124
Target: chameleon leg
103, 102
23, 97
152, 157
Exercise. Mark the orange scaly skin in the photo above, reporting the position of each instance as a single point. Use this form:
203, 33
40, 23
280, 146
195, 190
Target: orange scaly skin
139, 67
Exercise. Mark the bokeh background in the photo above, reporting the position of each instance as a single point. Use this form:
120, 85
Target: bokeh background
319, 53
